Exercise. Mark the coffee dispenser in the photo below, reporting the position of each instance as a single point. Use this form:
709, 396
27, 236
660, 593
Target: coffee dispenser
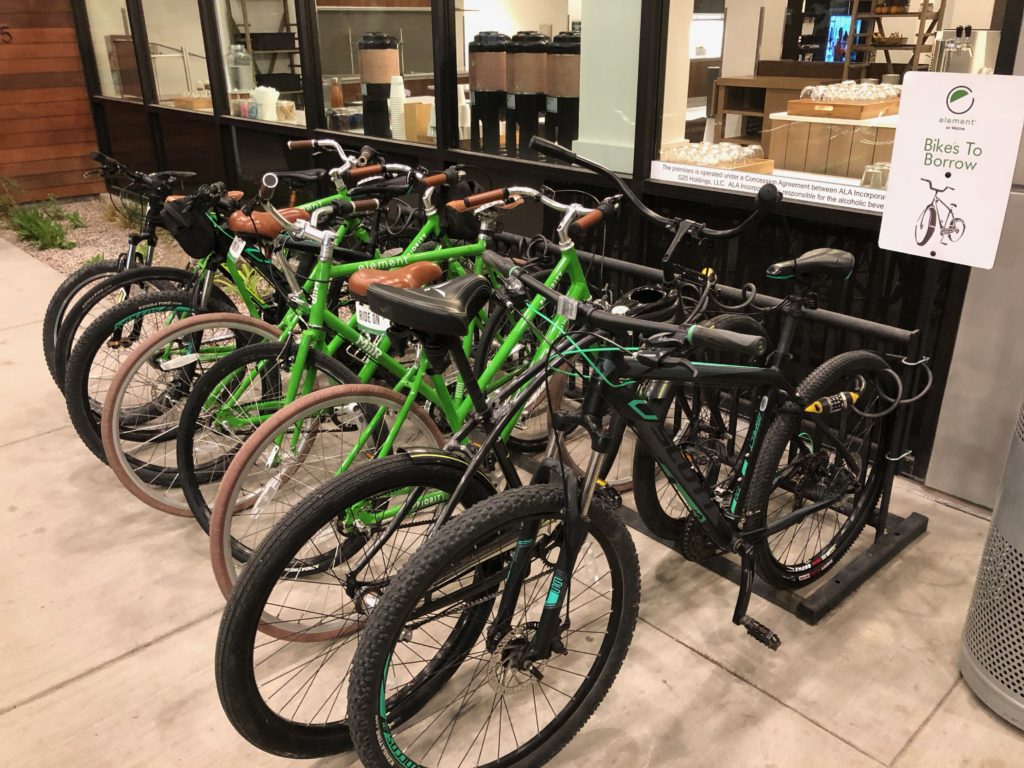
488, 78
378, 63
526, 65
562, 111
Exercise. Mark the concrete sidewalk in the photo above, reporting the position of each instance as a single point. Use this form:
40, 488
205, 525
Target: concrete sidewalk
106, 648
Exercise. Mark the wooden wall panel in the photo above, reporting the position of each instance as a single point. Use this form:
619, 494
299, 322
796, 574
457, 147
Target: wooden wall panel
46, 128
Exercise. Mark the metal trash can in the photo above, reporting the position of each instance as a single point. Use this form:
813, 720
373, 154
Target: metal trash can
992, 650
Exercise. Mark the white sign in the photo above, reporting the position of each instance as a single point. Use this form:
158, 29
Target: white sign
952, 166
370, 321
832, 191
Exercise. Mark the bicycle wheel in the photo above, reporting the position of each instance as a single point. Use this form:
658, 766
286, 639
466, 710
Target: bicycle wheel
959, 227
925, 225
297, 450
287, 634
109, 293
710, 423
229, 402
140, 449
107, 343
67, 293
801, 465
416, 698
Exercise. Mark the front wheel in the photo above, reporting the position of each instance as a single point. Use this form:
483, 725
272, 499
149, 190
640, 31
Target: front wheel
288, 631
411, 681
925, 225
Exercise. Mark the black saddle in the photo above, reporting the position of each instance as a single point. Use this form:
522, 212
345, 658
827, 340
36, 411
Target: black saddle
821, 261
445, 309
300, 179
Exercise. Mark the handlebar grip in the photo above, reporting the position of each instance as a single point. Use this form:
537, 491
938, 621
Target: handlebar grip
551, 149
768, 197
303, 144
353, 207
366, 156
363, 172
267, 186
726, 341
434, 179
491, 196
587, 221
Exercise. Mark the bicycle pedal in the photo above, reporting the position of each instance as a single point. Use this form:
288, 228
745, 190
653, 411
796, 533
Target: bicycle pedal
695, 544
761, 633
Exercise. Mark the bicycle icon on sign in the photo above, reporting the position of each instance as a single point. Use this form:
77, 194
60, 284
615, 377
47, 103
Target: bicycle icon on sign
939, 213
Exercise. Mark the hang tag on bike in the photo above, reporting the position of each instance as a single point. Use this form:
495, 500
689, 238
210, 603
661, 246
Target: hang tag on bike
370, 321
952, 166
235, 251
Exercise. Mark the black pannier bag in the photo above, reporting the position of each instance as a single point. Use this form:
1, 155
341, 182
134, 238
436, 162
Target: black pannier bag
190, 226
459, 226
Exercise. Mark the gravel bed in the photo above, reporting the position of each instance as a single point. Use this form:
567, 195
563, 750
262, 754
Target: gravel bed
105, 234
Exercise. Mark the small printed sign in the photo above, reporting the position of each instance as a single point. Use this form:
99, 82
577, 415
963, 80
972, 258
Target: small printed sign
235, 251
370, 321
952, 166
510, 101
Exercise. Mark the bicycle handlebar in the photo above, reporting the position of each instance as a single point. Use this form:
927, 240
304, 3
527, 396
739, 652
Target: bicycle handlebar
937, 191
697, 335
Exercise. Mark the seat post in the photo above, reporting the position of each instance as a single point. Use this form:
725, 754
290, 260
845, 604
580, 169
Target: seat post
469, 378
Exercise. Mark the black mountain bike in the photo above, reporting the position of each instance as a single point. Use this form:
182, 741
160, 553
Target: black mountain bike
496, 642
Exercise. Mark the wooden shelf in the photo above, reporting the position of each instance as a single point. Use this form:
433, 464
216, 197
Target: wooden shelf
900, 47
742, 139
912, 15
746, 112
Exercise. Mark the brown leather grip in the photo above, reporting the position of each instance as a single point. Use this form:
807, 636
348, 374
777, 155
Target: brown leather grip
589, 220
357, 174
367, 205
436, 180
302, 144
461, 206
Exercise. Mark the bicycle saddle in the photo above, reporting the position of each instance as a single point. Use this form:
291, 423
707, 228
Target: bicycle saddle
262, 224
410, 276
300, 179
445, 309
821, 261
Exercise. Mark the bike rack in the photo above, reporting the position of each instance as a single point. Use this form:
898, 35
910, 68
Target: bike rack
893, 533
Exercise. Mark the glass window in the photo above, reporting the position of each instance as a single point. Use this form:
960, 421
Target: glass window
378, 68
261, 53
115, 54
562, 69
176, 50
804, 93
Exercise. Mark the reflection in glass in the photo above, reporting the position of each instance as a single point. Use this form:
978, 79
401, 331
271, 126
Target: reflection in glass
378, 68
115, 53
261, 55
176, 51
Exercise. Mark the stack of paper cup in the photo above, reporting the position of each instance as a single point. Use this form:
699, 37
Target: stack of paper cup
266, 100
396, 107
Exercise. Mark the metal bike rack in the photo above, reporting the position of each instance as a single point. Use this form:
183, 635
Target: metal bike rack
893, 533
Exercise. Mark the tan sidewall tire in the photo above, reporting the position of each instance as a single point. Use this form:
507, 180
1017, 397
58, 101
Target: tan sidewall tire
130, 366
223, 563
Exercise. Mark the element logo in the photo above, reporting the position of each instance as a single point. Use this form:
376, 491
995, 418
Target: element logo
960, 100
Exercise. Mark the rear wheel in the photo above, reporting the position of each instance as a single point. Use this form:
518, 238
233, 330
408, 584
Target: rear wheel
802, 465
421, 694
709, 422
959, 227
298, 449
229, 402
140, 448
105, 345
67, 293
